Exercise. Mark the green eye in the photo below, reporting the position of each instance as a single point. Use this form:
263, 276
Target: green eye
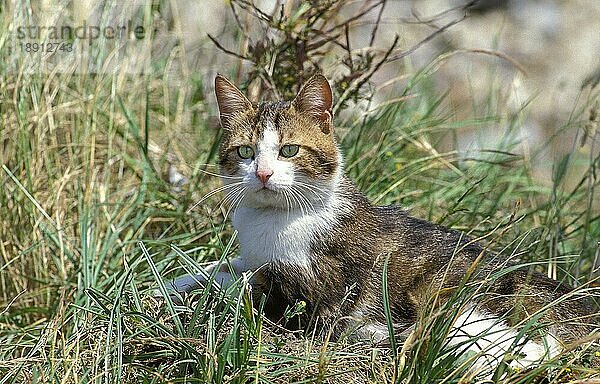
289, 150
245, 152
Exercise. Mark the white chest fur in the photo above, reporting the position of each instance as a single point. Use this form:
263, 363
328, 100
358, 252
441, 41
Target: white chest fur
267, 235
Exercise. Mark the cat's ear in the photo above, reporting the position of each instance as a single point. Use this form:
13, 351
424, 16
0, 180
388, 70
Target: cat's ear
230, 99
315, 99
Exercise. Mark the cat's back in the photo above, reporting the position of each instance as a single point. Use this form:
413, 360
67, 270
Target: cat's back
373, 232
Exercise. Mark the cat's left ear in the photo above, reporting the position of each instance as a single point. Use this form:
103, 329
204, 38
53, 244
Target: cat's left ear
230, 100
315, 99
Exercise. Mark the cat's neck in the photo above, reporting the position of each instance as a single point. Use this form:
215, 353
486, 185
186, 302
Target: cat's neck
285, 235
327, 206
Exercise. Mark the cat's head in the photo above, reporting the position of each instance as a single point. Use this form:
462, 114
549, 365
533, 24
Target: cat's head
280, 154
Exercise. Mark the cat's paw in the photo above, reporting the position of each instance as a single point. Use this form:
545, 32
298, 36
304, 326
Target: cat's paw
177, 288
184, 285
218, 275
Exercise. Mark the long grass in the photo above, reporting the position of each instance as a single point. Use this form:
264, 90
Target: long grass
90, 226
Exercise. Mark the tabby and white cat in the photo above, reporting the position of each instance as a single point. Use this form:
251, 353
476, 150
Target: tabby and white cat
309, 235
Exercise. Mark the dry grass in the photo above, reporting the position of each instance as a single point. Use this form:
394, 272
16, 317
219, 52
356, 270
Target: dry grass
89, 223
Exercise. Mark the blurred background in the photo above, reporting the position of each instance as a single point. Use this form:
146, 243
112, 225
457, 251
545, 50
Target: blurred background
540, 57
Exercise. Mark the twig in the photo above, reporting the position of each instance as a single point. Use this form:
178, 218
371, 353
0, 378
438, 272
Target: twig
236, 17
324, 40
376, 27
355, 17
332, 8
435, 17
425, 40
249, 6
364, 78
222, 48
350, 63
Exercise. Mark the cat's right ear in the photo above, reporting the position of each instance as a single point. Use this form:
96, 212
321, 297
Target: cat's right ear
230, 99
316, 99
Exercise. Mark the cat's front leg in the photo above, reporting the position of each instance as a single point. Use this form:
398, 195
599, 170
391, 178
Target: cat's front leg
221, 271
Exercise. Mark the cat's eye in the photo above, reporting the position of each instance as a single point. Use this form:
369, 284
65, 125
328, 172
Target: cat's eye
289, 150
245, 152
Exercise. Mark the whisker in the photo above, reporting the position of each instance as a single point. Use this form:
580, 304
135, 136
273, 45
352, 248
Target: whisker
309, 203
287, 203
295, 199
213, 192
238, 200
236, 195
310, 184
312, 190
230, 196
304, 207
222, 176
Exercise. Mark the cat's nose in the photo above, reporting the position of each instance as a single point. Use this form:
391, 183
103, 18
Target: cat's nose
264, 174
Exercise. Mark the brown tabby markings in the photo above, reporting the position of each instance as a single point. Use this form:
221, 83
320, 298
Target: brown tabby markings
318, 149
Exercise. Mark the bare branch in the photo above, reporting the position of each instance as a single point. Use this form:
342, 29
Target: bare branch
254, 10
360, 81
436, 17
376, 27
425, 40
227, 51
355, 17
350, 63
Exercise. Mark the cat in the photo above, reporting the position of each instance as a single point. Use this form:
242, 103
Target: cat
309, 235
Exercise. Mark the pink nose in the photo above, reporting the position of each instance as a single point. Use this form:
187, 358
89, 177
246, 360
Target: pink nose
264, 174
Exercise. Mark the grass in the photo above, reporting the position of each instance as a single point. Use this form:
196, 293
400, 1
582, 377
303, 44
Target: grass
89, 227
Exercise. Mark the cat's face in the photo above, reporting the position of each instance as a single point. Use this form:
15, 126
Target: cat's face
278, 154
